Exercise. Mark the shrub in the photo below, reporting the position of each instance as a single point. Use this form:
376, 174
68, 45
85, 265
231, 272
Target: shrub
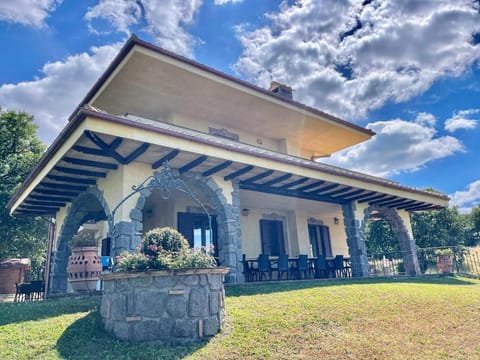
84, 238
164, 248
446, 251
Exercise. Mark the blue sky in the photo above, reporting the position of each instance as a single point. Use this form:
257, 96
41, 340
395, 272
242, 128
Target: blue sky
409, 70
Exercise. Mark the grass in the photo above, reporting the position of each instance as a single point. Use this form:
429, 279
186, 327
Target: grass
424, 318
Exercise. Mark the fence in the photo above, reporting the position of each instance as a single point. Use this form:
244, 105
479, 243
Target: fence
439, 260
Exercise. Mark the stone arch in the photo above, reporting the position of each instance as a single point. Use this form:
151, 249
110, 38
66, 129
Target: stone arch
88, 205
406, 242
228, 222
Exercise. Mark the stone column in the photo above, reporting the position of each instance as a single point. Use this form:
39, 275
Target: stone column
355, 241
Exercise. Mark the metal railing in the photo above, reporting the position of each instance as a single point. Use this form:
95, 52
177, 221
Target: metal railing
457, 260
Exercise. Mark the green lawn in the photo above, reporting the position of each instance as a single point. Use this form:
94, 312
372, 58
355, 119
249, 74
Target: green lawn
427, 318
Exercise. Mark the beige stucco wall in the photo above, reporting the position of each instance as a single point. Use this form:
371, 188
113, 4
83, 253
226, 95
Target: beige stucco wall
296, 223
59, 220
406, 220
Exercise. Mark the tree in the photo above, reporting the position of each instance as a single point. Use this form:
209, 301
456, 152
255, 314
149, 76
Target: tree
446, 227
20, 150
380, 238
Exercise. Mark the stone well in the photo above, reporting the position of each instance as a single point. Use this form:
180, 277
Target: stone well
173, 306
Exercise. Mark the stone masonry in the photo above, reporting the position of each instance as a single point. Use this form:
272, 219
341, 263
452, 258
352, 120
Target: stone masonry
167, 307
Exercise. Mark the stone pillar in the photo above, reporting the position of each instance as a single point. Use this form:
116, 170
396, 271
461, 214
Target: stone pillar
229, 233
407, 243
355, 241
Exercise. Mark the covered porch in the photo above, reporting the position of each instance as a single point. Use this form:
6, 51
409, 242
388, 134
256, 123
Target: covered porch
261, 201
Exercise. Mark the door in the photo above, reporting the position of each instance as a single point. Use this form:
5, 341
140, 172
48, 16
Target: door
273, 241
320, 240
196, 229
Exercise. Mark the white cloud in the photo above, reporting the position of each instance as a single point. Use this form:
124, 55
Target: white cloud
425, 119
347, 58
52, 97
461, 120
27, 12
468, 199
223, 2
398, 146
120, 14
165, 20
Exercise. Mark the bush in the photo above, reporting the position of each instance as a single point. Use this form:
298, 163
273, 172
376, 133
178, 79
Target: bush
84, 238
446, 252
163, 249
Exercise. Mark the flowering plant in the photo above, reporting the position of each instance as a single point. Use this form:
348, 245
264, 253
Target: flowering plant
164, 248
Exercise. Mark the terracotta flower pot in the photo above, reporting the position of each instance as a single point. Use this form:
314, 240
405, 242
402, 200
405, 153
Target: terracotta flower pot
444, 264
84, 268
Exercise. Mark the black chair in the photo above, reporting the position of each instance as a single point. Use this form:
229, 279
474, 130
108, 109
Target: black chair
264, 267
283, 267
37, 288
22, 292
339, 267
321, 267
302, 267
249, 272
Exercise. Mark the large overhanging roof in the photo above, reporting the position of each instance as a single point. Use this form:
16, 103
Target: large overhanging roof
154, 83
95, 143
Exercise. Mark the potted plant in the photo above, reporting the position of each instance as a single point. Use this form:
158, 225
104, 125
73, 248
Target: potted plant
444, 260
164, 285
84, 265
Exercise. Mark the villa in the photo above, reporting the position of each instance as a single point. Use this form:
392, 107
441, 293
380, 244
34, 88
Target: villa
249, 156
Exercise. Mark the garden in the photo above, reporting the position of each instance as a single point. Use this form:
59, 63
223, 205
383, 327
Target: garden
424, 318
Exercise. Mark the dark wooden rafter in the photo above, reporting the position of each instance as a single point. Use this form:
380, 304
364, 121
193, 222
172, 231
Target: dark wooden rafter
35, 207
34, 212
311, 186
376, 196
44, 203
295, 183
339, 191
396, 202
49, 198
361, 196
192, 164
419, 207
238, 173
71, 179
218, 168
258, 176
290, 193
405, 207
348, 195
96, 164
63, 186
171, 155
56, 192
377, 201
278, 179
405, 204
136, 153
325, 189
80, 172
108, 149
90, 151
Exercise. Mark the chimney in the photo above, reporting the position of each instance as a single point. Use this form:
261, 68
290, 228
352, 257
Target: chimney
282, 90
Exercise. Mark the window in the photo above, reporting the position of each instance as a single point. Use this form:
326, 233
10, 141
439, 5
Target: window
195, 228
273, 242
320, 240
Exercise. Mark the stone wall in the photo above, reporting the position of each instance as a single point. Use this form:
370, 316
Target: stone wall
164, 306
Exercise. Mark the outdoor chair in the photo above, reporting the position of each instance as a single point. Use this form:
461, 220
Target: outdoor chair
302, 267
22, 292
264, 267
37, 288
321, 267
249, 271
339, 267
283, 267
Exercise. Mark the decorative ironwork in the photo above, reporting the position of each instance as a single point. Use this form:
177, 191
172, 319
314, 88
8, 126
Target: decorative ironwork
166, 181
